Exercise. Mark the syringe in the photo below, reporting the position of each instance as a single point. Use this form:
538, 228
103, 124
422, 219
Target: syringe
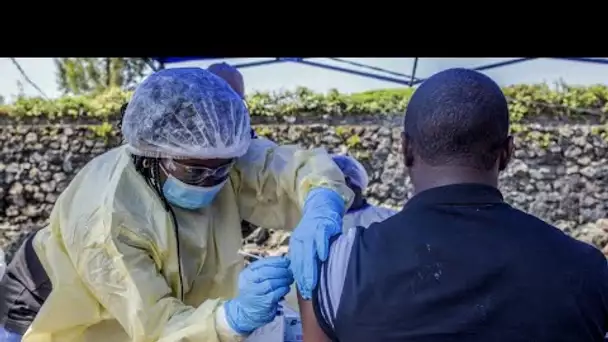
253, 256
257, 257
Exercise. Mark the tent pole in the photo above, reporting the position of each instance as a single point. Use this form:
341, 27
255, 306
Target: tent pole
414, 68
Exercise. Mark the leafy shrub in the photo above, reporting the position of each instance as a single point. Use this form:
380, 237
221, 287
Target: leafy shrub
526, 102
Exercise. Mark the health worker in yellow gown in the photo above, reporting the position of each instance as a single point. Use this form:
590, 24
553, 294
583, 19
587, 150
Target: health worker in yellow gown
142, 245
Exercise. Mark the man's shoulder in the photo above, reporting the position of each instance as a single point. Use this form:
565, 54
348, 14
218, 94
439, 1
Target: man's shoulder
388, 217
367, 216
577, 250
340, 248
333, 275
335, 268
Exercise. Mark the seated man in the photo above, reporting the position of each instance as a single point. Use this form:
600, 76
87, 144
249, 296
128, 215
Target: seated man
458, 263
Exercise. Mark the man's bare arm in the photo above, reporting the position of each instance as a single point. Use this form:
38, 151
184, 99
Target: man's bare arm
310, 326
330, 284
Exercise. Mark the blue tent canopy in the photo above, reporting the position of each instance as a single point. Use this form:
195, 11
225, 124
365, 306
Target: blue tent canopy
391, 76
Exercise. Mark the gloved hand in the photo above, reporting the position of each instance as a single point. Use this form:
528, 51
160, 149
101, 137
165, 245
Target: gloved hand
309, 242
262, 285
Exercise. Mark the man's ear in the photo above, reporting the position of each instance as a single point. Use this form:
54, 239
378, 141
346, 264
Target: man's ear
506, 154
408, 152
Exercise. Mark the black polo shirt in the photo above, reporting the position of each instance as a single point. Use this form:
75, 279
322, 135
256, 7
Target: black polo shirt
460, 264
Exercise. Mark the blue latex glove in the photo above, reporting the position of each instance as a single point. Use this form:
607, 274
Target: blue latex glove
262, 286
8, 336
309, 242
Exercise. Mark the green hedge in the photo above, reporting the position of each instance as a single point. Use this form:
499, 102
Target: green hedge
526, 101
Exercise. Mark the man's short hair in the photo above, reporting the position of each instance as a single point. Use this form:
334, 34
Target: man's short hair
458, 117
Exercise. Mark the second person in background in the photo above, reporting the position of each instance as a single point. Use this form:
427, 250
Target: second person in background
234, 78
360, 213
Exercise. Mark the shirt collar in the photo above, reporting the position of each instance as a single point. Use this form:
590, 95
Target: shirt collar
458, 194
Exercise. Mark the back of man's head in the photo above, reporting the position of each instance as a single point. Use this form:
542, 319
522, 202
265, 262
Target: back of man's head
457, 117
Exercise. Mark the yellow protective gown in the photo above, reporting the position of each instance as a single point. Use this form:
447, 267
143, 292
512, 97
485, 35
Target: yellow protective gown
111, 250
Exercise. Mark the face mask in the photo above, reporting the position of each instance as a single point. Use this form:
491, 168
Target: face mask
189, 196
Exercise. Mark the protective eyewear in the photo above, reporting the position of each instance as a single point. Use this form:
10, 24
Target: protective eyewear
192, 174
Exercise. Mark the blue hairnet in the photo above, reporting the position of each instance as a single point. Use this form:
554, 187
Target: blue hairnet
353, 170
186, 113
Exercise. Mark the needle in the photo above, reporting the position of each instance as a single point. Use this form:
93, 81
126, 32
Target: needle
256, 257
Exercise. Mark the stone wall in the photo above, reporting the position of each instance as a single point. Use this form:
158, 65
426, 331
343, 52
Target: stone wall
560, 173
